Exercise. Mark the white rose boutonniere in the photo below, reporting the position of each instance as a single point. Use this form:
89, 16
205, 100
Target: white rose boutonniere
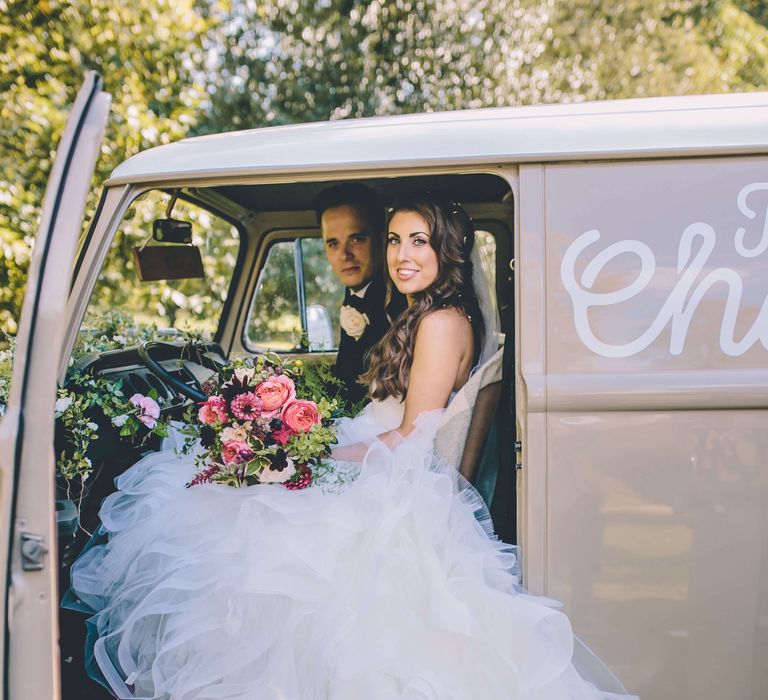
353, 321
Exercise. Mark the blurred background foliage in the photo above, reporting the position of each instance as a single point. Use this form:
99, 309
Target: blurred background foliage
180, 67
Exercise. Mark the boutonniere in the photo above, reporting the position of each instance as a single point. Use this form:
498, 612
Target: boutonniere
353, 322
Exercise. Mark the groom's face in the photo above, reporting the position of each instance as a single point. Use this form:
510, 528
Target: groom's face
350, 245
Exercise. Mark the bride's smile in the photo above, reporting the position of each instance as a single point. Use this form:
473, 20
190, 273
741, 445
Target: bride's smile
411, 260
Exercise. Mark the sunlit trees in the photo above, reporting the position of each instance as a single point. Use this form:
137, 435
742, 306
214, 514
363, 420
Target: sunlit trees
180, 66
283, 61
149, 53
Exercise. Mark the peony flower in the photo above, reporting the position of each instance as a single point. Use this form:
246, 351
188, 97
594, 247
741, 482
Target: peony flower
274, 393
246, 406
213, 411
236, 451
353, 322
149, 411
299, 415
280, 471
148, 421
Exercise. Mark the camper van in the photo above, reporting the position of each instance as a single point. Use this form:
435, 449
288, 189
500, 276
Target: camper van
628, 455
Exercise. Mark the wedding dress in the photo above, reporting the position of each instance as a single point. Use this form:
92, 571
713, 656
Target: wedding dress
382, 582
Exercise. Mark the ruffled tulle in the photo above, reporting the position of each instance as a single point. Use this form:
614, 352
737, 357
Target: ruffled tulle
384, 586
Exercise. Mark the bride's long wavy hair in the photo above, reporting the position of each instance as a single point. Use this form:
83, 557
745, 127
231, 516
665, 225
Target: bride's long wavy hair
452, 236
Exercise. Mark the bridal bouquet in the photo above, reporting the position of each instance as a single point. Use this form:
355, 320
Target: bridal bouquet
260, 425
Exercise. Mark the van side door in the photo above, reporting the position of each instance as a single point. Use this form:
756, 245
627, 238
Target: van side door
29, 641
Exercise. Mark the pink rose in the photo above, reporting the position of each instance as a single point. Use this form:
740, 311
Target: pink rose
213, 411
299, 415
149, 411
274, 393
236, 451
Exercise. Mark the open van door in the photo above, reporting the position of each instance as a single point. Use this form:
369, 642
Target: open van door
30, 669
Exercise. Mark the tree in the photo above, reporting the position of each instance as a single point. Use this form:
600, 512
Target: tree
283, 61
179, 66
149, 53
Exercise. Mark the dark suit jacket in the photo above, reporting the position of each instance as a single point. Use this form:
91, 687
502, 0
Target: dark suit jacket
350, 359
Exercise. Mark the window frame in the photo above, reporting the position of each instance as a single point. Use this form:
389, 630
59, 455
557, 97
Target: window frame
503, 283
495, 227
293, 234
128, 199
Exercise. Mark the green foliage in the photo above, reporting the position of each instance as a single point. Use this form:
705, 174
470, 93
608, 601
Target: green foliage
150, 55
6, 371
284, 61
90, 405
92, 408
318, 383
310, 446
758, 9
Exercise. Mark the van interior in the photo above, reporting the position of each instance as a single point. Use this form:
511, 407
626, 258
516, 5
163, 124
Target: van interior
254, 278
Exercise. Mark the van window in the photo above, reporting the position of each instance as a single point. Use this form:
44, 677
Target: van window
193, 305
297, 299
486, 243
296, 275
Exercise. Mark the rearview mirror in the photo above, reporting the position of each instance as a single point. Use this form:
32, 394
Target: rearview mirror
172, 231
168, 262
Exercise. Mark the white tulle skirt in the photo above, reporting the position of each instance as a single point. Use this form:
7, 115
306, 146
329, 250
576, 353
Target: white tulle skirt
380, 584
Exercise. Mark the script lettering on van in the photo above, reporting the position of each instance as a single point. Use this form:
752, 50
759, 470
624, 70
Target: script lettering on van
696, 245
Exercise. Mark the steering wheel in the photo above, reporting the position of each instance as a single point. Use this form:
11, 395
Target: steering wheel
198, 352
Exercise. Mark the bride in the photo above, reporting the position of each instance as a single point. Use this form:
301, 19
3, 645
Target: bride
380, 583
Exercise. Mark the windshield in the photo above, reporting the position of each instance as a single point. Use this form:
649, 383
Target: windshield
121, 302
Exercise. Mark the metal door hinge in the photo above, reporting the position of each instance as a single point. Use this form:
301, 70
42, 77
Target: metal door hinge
518, 455
33, 551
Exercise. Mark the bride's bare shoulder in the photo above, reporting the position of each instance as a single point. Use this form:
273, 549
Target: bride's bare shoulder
444, 324
448, 317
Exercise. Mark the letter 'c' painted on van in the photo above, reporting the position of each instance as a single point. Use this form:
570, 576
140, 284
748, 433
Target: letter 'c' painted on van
696, 245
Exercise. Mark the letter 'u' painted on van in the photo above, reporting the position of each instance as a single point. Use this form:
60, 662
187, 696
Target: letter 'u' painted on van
696, 245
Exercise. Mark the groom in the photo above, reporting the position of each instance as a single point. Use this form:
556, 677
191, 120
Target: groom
352, 222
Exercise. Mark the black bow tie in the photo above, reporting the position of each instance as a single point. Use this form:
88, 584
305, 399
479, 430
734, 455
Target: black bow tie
355, 301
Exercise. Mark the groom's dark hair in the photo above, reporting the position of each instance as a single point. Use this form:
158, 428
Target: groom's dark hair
353, 194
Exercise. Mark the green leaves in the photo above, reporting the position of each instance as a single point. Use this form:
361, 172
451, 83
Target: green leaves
150, 55
175, 66
291, 61
307, 447
87, 405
